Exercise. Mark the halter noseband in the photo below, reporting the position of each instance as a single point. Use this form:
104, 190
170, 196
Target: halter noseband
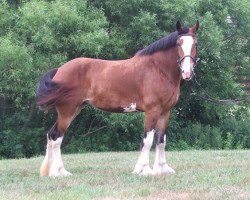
195, 59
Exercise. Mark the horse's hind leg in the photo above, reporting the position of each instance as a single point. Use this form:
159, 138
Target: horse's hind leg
52, 164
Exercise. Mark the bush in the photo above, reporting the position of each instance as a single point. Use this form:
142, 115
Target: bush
200, 136
236, 133
102, 131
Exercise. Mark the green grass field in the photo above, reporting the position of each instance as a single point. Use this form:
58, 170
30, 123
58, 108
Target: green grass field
199, 175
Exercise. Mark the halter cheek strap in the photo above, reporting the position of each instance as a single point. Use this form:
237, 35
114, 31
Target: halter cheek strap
195, 60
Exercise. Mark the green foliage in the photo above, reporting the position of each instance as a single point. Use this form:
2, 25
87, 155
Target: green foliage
6, 16
202, 137
60, 27
15, 66
37, 35
116, 132
236, 133
144, 29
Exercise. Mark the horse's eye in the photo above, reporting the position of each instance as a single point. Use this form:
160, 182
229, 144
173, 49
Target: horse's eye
178, 44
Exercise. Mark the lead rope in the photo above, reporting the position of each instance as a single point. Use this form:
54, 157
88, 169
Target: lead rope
209, 98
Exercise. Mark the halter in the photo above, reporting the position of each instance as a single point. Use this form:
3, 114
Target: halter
195, 59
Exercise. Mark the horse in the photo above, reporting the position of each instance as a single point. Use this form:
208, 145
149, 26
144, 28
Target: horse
148, 82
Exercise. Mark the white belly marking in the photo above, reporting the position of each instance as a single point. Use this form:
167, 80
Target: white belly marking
130, 108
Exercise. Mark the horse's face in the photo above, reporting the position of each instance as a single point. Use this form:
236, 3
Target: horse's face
187, 51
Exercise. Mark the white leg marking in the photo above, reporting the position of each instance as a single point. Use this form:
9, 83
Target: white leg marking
160, 165
142, 165
55, 163
130, 108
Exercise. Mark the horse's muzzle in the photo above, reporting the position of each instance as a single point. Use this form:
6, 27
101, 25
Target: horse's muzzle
187, 75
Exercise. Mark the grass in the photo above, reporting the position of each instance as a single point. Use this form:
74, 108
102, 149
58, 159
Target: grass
199, 175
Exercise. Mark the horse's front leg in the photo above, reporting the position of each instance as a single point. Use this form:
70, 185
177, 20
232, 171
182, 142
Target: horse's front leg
160, 164
142, 166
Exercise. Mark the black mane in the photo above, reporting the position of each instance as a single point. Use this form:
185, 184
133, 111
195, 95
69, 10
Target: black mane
163, 43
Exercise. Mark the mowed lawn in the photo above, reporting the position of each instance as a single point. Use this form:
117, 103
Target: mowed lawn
199, 175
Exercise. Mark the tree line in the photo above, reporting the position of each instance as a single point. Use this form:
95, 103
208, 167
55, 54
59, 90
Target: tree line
37, 35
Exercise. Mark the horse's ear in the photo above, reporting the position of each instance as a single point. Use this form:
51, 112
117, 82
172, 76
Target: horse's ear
178, 26
196, 27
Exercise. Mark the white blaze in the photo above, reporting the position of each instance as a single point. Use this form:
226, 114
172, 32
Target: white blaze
186, 47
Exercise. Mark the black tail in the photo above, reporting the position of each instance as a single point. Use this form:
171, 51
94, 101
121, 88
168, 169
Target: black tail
49, 93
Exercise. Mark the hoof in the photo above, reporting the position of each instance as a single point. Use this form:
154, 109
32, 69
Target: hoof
144, 171
162, 170
60, 172
64, 172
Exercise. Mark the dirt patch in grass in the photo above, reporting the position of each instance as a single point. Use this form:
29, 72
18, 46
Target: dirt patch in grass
169, 195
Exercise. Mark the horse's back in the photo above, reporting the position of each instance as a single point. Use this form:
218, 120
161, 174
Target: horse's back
82, 66
69, 71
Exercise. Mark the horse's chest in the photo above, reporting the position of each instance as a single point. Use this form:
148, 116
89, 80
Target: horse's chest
171, 98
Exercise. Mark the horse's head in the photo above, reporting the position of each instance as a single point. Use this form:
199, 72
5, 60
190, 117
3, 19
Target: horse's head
187, 50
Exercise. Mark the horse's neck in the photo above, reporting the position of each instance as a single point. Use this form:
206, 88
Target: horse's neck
167, 63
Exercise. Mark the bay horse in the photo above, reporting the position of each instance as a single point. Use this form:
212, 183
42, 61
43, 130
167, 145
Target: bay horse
148, 82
